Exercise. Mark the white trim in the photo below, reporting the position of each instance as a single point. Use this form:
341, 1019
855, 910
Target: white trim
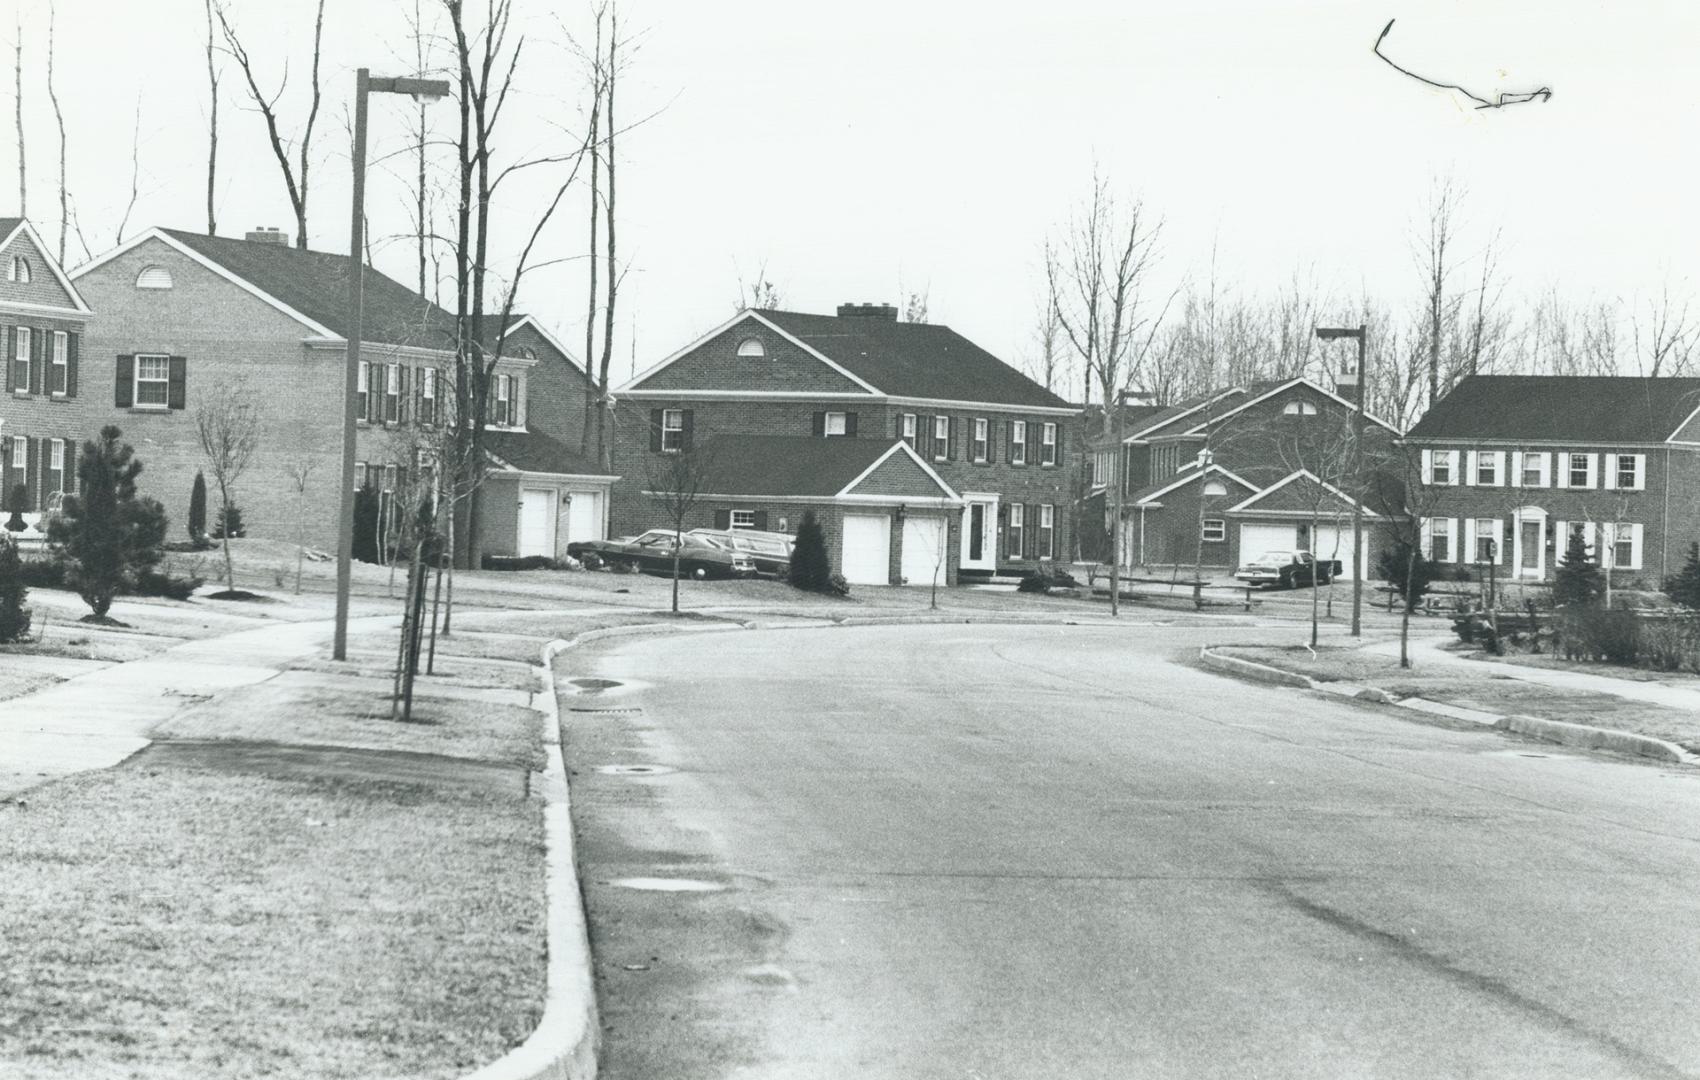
1352, 406
1672, 437
739, 395
1139, 436
333, 343
82, 307
192, 255
742, 315
1188, 477
1246, 506
900, 444
6, 305
831, 500
543, 332
996, 406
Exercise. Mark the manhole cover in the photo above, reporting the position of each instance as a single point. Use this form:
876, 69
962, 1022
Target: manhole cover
594, 686
634, 770
666, 884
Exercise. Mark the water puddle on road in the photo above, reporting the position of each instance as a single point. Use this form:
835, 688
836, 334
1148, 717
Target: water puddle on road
659, 884
634, 770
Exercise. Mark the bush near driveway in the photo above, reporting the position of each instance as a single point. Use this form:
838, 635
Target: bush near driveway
14, 616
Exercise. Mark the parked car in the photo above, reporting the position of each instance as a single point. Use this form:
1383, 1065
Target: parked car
653, 551
1288, 569
771, 552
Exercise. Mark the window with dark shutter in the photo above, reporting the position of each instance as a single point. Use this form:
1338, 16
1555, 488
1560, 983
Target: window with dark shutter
723, 519
690, 427
656, 418
38, 364
818, 425
178, 394
850, 424
761, 520
124, 385
72, 344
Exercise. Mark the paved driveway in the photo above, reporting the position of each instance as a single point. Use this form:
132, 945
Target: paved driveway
980, 852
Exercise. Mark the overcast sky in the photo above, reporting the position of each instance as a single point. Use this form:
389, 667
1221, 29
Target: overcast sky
854, 147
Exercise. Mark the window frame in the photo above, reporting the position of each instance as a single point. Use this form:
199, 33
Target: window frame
20, 452
678, 432
941, 438
1048, 444
1633, 474
1047, 531
982, 440
760, 352
1440, 468
392, 393
1571, 462
59, 364
843, 419
363, 392
1487, 465
1018, 442
1488, 535
1440, 540
1536, 463
733, 522
22, 360
428, 393
163, 382
1218, 526
910, 427
19, 270
1299, 408
1015, 528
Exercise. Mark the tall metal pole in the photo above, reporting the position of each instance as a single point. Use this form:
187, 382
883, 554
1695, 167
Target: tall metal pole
1116, 517
1358, 492
351, 376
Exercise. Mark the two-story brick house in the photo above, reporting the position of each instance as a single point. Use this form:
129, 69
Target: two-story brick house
1223, 477
45, 403
1512, 465
986, 452
183, 312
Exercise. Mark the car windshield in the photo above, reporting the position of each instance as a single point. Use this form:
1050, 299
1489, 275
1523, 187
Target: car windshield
1274, 556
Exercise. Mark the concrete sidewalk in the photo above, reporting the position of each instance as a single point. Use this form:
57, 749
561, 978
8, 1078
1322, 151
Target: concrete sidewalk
97, 719
1429, 651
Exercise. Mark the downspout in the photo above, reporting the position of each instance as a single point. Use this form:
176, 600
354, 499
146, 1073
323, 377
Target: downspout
1664, 529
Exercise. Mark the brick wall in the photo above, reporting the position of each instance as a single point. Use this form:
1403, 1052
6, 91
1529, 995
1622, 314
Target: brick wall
42, 287
555, 389
716, 365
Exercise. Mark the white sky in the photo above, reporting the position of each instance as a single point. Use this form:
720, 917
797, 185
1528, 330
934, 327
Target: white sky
851, 147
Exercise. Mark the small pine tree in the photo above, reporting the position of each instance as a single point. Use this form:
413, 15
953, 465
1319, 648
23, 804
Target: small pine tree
1684, 588
1409, 577
229, 523
366, 525
1578, 582
105, 533
810, 568
198, 509
14, 616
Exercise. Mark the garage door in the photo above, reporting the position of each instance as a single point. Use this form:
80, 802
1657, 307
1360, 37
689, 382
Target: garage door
1334, 542
535, 507
923, 550
584, 516
1257, 540
866, 558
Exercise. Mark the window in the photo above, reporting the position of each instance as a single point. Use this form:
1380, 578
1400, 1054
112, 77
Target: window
359, 475
1017, 519
1215, 529
56, 466
908, 430
752, 347
428, 395
1101, 462
981, 437
941, 437
1487, 468
1440, 469
61, 382
743, 519
1622, 550
502, 410
21, 360
20, 452
1018, 443
1623, 540
1047, 530
1581, 475
392, 393
1487, 549
672, 430
153, 377
1629, 471
362, 393
1534, 470
1049, 443
1299, 408
153, 277
1440, 539
19, 270
835, 424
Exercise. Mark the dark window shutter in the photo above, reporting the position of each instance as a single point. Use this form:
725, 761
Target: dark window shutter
6, 477
47, 476
1033, 530
406, 384
723, 519
70, 466
176, 395
655, 429
690, 427
71, 341
819, 425
32, 473
850, 424
1035, 452
38, 380
761, 520
897, 425
991, 441
124, 388
950, 439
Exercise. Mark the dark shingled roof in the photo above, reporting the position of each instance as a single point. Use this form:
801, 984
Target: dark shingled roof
1561, 408
315, 283
533, 451
7, 224
786, 464
914, 359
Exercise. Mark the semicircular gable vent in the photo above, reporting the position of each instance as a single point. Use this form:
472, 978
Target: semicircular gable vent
752, 347
153, 277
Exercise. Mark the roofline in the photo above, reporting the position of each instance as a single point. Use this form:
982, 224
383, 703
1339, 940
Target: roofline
543, 332
1194, 475
1428, 442
157, 233
1032, 410
747, 313
1689, 419
874, 398
1245, 506
852, 500
1142, 432
24, 226
895, 447
1288, 385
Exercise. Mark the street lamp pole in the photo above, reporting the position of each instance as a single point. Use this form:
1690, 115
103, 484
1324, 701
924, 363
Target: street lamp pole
1361, 332
420, 89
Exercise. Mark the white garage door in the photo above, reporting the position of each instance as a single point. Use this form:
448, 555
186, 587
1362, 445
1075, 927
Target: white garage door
1257, 540
584, 517
536, 506
1333, 542
923, 550
866, 558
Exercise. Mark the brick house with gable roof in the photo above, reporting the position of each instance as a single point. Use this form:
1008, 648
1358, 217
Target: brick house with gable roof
181, 310
46, 404
999, 448
1512, 465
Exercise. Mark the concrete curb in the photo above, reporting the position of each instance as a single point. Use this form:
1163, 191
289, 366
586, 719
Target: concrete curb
565, 1043
1585, 736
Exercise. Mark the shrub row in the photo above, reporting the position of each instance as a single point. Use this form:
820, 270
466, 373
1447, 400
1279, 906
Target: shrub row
50, 574
1669, 643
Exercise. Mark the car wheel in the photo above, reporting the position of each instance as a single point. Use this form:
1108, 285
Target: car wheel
700, 572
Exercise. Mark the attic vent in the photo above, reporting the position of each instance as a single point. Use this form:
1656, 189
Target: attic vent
153, 277
752, 347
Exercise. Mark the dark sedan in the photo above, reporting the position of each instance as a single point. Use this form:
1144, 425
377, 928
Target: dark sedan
653, 551
771, 552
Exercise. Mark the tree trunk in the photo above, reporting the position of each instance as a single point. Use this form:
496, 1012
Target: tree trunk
224, 528
604, 457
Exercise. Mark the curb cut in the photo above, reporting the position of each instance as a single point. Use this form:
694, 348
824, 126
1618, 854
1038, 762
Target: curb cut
1562, 732
565, 1043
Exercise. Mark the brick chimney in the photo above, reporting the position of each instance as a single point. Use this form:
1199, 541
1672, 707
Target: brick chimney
266, 235
888, 312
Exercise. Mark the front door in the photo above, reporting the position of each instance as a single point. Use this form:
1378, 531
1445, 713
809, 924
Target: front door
979, 532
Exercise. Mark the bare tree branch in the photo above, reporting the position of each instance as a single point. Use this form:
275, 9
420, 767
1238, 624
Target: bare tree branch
1543, 94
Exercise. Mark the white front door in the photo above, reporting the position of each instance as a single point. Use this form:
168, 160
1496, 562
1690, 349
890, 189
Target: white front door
1529, 542
866, 555
924, 555
584, 516
980, 532
536, 514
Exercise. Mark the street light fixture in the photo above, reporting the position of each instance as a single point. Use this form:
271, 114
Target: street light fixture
423, 91
1361, 333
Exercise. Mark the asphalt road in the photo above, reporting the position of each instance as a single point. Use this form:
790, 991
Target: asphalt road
984, 852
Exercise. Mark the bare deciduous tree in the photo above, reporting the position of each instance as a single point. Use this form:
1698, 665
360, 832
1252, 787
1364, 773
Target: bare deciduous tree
228, 425
59, 118
135, 172
18, 103
212, 147
758, 291
1433, 247
675, 483
300, 473
296, 174
1664, 338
